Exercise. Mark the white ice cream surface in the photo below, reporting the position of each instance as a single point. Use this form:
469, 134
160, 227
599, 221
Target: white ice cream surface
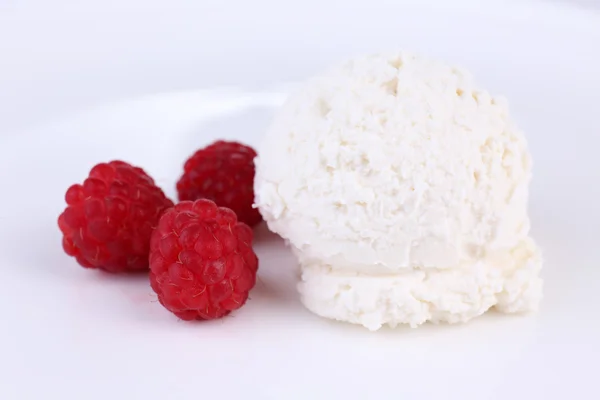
391, 163
509, 283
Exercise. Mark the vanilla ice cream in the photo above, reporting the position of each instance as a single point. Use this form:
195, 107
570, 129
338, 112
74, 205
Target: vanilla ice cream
402, 188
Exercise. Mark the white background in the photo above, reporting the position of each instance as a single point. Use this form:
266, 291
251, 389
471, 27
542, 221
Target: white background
81, 82
74, 53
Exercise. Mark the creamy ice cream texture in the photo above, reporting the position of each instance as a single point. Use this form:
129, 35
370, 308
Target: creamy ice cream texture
402, 188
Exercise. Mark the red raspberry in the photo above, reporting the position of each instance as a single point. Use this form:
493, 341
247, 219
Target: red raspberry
202, 265
109, 219
224, 173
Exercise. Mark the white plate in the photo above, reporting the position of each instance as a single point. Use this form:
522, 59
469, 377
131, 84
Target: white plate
71, 333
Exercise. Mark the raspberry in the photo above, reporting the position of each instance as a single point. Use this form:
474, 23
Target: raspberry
202, 265
109, 219
224, 173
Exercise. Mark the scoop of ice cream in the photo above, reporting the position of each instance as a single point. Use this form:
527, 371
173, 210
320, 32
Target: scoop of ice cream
394, 163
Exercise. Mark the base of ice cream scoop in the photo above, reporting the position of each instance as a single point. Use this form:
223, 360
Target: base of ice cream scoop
507, 281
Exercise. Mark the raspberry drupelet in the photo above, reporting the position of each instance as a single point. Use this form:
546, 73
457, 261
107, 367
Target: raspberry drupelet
202, 265
224, 173
109, 218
